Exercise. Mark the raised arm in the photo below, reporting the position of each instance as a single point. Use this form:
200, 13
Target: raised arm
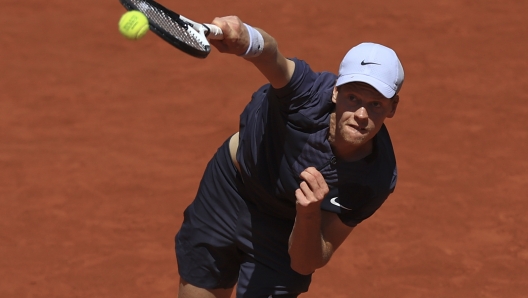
271, 63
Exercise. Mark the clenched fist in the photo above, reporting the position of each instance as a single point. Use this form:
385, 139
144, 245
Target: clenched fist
311, 191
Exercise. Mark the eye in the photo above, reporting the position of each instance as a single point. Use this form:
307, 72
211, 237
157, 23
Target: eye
376, 104
352, 98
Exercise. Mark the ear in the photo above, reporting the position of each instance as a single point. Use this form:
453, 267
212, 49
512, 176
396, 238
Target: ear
334, 94
394, 104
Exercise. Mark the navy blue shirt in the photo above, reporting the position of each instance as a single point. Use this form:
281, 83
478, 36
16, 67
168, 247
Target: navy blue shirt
284, 131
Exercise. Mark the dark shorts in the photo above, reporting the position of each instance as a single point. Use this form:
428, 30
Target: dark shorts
225, 240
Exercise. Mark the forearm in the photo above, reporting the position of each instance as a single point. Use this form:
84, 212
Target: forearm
307, 248
271, 63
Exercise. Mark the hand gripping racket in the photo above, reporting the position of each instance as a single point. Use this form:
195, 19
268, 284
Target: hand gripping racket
186, 35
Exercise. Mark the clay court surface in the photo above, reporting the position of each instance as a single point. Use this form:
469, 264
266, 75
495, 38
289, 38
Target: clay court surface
103, 142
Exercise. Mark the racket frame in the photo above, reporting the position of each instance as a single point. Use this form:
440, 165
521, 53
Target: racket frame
199, 31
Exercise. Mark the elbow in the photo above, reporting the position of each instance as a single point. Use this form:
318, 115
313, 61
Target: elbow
305, 268
302, 269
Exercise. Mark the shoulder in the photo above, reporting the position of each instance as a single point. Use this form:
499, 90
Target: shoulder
305, 80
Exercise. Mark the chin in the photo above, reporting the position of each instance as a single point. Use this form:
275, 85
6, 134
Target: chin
355, 137
357, 140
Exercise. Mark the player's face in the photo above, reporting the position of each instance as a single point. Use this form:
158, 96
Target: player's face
360, 112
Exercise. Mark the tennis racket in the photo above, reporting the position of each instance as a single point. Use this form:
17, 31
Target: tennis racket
186, 35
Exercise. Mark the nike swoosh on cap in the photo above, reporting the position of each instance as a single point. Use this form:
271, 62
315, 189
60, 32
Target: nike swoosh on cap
367, 63
334, 202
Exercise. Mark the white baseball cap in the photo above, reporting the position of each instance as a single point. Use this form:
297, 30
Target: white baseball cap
374, 64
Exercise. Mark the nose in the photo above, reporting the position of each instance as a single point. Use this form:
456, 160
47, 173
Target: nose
361, 113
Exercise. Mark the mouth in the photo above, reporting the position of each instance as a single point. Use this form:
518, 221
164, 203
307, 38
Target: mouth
359, 129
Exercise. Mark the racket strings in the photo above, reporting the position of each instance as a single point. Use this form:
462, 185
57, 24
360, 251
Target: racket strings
185, 34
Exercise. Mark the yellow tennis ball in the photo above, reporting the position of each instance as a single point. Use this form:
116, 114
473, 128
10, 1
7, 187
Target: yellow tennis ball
133, 25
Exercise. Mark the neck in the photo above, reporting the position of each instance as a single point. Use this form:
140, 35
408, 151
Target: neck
352, 153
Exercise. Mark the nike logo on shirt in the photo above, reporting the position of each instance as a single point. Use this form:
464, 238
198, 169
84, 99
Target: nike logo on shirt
336, 203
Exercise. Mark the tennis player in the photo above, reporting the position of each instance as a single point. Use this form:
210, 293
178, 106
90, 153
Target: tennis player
311, 160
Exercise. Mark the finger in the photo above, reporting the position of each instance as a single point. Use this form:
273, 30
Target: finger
307, 192
317, 175
306, 202
316, 182
301, 197
221, 45
309, 178
236, 37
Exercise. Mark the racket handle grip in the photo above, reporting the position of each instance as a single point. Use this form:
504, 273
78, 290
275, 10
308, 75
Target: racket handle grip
214, 32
